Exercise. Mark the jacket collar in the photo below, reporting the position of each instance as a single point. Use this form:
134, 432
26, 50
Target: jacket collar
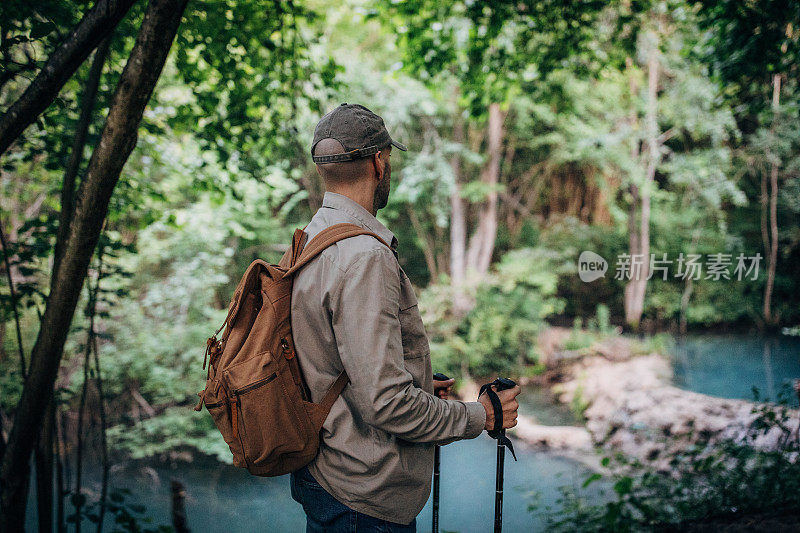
341, 202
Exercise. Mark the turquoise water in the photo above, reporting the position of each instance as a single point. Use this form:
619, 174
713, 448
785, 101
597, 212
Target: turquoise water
731, 365
541, 405
221, 498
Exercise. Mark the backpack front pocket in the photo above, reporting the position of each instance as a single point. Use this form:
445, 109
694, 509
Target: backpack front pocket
263, 412
221, 414
219, 407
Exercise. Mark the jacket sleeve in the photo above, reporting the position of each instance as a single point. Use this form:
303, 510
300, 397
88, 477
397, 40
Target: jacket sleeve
366, 324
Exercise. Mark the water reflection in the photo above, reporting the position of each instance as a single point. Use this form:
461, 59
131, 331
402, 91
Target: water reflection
731, 365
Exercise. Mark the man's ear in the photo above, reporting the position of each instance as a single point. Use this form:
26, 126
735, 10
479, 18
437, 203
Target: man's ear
378, 165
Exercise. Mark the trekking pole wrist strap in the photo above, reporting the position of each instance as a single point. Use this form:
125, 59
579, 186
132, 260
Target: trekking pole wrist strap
497, 432
497, 408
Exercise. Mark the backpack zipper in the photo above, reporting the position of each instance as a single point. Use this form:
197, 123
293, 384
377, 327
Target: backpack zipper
214, 405
256, 384
236, 404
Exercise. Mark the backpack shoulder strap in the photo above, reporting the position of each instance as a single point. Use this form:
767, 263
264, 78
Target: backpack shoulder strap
327, 237
319, 412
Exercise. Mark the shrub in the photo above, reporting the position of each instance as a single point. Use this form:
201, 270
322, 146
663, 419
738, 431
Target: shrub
499, 334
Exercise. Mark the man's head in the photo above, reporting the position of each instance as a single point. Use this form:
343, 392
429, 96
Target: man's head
351, 148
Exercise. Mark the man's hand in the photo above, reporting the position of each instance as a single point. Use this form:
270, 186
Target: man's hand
441, 389
510, 406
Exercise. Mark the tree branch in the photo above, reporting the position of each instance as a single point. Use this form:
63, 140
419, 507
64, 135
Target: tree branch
14, 306
97, 24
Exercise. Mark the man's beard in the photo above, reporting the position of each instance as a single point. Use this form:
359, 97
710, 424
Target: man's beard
381, 196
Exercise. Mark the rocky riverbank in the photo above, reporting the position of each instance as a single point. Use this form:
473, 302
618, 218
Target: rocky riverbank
630, 404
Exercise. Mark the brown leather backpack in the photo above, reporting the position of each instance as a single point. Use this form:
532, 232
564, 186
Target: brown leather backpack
255, 390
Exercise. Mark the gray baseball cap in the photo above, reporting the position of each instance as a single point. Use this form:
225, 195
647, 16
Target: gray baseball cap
361, 132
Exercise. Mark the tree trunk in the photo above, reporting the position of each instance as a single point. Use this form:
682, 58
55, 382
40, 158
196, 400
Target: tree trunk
458, 223
637, 286
179, 522
481, 245
633, 250
44, 469
78, 145
428, 244
14, 307
633, 227
688, 287
44, 448
118, 139
58, 426
772, 254
97, 24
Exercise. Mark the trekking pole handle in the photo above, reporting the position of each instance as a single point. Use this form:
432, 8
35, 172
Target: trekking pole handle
440, 377
491, 389
505, 383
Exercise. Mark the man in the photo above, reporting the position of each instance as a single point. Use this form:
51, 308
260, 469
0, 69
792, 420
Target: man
354, 308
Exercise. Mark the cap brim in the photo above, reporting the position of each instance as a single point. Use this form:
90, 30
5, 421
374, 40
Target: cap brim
399, 146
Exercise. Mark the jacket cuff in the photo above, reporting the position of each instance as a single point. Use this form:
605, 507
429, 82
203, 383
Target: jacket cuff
476, 419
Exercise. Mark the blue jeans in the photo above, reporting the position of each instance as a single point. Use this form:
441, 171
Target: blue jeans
325, 514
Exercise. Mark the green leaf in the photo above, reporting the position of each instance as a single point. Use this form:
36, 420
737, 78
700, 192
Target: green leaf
41, 29
591, 479
623, 486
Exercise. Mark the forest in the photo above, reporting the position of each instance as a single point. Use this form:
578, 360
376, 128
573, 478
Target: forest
150, 150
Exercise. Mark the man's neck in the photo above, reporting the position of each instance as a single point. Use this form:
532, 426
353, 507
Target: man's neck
359, 196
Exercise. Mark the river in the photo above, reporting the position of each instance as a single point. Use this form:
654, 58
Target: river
221, 498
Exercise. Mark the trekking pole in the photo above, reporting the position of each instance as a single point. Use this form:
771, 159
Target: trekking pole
502, 441
436, 461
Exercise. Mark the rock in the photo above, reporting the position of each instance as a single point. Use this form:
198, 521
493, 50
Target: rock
550, 341
633, 407
614, 348
552, 437
562, 357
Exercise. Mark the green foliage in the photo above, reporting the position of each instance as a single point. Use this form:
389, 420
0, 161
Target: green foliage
499, 334
249, 66
601, 321
127, 517
660, 343
748, 43
176, 429
578, 404
491, 48
579, 338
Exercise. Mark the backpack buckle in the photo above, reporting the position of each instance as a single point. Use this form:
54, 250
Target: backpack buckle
287, 353
213, 348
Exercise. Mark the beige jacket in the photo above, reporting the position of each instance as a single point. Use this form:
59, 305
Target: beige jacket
354, 308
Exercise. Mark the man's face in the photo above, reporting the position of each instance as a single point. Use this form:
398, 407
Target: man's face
381, 197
